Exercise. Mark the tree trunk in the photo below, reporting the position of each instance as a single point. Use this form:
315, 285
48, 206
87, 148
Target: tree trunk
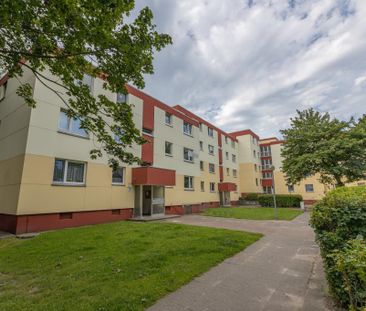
339, 182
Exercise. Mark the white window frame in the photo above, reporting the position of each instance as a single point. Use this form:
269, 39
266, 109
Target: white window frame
168, 116
202, 166
189, 151
211, 150
190, 182
210, 132
202, 186
233, 158
171, 149
121, 98
188, 126
211, 165
123, 177
306, 190
292, 187
227, 155
227, 171
212, 187
64, 177
201, 145
69, 130
235, 173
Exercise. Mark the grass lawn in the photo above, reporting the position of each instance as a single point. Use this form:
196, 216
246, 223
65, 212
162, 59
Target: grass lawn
119, 266
260, 213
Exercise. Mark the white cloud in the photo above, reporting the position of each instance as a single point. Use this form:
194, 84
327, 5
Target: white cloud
251, 64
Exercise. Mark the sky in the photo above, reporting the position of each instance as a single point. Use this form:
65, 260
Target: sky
252, 63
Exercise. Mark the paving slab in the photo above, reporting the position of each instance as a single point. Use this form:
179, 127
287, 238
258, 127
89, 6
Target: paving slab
282, 271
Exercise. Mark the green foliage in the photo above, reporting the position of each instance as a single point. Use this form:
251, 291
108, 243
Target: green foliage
338, 219
119, 266
283, 200
250, 196
77, 37
317, 144
253, 213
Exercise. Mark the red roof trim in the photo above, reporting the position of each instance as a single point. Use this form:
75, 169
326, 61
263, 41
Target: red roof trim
157, 103
200, 120
245, 132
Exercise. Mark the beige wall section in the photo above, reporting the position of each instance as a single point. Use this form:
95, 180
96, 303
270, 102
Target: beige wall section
317, 194
14, 116
44, 138
249, 177
38, 195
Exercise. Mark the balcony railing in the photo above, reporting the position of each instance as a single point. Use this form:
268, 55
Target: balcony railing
266, 167
266, 154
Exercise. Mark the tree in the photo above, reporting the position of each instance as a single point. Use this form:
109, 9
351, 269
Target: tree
76, 37
315, 143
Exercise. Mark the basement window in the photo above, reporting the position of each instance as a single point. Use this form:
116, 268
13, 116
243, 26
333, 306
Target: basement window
65, 216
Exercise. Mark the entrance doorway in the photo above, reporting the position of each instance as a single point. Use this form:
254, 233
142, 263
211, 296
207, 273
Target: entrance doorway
149, 201
225, 199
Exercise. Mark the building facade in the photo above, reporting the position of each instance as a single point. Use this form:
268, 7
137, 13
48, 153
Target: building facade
48, 181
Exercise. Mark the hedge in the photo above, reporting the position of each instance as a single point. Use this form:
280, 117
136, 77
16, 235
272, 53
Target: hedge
250, 196
339, 220
282, 200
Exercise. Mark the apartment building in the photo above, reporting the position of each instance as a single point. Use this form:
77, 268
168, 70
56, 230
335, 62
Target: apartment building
48, 181
271, 168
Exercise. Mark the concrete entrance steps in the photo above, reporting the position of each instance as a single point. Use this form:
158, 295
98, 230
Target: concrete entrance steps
153, 218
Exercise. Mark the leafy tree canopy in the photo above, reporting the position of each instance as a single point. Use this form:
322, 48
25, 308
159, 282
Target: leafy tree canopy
315, 143
75, 37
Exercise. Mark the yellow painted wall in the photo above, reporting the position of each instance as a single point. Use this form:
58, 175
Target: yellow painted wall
38, 195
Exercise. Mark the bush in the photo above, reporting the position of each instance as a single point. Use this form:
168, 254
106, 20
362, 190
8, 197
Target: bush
250, 196
283, 200
338, 219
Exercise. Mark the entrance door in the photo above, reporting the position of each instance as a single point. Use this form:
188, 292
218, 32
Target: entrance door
225, 198
146, 201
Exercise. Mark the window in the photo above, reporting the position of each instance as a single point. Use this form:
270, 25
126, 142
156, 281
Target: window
3, 91
121, 98
211, 168
309, 188
147, 132
235, 173
210, 132
256, 181
227, 171
202, 186
118, 176
266, 164
290, 188
267, 175
233, 158
211, 149
227, 155
202, 166
255, 167
188, 182
70, 125
68, 172
117, 137
187, 128
188, 155
201, 127
265, 151
212, 187
267, 190
226, 140
254, 154
201, 145
233, 144
168, 118
88, 81
168, 148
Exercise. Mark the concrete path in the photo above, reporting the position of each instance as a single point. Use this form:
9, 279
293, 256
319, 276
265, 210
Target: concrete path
282, 271
4, 235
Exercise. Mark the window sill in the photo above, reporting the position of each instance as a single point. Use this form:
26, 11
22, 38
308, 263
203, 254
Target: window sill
190, 135
74, 135
170, 125
185, 189
168, 155
187, 161
65, 184
118, 184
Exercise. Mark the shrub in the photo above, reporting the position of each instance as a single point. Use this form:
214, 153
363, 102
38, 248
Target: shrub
338, 219
283, 200
250, 196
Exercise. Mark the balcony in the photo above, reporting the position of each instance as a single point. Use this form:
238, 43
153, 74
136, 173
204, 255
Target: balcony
266, 154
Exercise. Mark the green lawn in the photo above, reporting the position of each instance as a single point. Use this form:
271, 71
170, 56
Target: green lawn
119, 266
260, 213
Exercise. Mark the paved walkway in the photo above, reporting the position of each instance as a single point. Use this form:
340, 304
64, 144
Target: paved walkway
4, 235
282, 271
